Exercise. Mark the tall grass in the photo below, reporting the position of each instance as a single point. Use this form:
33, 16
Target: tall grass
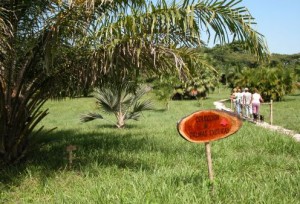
148, 162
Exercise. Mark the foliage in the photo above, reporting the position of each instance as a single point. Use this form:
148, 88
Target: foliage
287, 61
78, 78
163, 88
203, 78
22, 77
273, 83
197, 87
274, 78
121, 102
50, 48
231, 55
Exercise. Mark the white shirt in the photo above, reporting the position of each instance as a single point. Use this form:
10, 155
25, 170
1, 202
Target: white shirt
247, 98
255, 98
239, 97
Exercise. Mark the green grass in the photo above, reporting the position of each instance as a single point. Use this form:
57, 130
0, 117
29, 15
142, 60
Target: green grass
287, 112
148, 162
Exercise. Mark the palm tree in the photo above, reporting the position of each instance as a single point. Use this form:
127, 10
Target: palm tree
121, 102
244, 78
120, 37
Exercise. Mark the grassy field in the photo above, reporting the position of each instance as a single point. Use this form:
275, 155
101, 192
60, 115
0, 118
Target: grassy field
148, 162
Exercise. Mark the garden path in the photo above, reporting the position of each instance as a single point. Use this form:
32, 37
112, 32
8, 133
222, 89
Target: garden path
220, 106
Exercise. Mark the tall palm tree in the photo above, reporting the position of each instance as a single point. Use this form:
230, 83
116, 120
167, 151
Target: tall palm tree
120, 38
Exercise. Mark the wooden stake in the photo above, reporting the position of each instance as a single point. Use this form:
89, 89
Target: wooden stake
209, 161
271, 112
70, 150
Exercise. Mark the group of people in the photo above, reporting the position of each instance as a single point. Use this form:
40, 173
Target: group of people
246, 104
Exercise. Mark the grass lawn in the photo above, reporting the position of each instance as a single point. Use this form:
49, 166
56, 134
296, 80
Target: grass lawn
148, 162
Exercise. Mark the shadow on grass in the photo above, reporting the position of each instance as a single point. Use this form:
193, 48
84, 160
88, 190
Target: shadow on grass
286, 99
102, 149
113, 126
91, 147
160, 110
194, 178
295, 94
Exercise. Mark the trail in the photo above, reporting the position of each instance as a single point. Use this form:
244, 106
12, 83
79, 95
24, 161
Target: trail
220, 106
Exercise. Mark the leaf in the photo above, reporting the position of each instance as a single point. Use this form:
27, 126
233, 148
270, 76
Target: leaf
89, 117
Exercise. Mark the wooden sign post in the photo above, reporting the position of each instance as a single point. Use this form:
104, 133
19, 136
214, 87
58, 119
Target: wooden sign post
206, 126
209, 161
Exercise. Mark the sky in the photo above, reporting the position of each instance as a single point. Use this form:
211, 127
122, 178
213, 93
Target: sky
279, 22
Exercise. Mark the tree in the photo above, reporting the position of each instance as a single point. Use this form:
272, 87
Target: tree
122, 102
123, 38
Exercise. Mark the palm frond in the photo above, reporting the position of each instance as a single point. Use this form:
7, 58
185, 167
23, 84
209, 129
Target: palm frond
89, 117
227, 20
132, 116
107, 100
142, 106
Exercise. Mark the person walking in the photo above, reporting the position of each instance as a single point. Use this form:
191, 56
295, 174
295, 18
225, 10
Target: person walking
232, 97
237, 97
256, 100
243, 111
247, 97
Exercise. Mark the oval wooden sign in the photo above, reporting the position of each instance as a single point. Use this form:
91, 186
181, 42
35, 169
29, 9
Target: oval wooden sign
208, 125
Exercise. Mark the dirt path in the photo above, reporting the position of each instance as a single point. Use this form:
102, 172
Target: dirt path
220, 106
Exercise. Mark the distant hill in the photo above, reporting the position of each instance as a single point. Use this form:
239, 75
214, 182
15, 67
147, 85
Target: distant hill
234, 55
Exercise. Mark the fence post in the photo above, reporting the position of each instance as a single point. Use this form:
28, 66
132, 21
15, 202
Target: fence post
271, 112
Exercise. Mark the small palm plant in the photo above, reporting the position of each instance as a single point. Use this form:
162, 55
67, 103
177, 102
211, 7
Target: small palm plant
122, 102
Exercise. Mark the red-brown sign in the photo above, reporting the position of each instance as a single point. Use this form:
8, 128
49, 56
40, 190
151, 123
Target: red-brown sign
208, 125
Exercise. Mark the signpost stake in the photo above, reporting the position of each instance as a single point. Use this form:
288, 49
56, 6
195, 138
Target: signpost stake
271, 112
209, 161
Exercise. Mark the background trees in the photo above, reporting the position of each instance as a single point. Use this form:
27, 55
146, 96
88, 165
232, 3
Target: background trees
274, 78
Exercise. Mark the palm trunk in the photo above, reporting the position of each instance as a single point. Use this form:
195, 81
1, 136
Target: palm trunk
120, 120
